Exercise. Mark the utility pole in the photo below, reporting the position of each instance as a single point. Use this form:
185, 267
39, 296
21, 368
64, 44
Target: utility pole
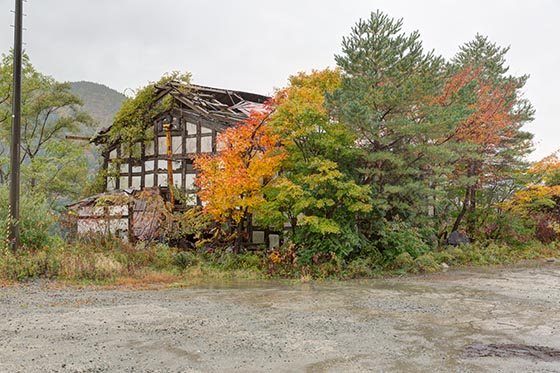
16, 129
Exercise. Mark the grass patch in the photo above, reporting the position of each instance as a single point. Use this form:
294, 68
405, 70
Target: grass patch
118, 263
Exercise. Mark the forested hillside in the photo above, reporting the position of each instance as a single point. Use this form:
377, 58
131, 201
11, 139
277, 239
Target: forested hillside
100, 101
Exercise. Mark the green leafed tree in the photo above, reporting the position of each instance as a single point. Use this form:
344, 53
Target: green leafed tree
317, 189
51, 164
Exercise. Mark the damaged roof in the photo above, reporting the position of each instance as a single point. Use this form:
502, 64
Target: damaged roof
92, 200
215, 104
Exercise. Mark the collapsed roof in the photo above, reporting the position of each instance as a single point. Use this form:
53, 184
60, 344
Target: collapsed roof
218, 105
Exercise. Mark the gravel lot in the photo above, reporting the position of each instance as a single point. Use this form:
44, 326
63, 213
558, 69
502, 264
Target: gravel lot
500, 320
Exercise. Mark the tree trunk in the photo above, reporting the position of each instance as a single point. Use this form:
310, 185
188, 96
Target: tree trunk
238, 238
471, 220
293, 223
469, 203
463, 211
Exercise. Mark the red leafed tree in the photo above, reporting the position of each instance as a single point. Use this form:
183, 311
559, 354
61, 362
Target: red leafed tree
231, 182
491, 134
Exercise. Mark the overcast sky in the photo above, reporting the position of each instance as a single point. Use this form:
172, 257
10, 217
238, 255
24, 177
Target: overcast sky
254, 45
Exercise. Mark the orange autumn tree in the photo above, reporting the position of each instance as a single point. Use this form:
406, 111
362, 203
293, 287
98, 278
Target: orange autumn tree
492, 143
231, 182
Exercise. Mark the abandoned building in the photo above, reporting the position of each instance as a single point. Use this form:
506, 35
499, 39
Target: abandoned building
197, 114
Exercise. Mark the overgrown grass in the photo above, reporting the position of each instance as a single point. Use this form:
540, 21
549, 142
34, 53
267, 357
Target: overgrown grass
112, 262
479, 254
107, 261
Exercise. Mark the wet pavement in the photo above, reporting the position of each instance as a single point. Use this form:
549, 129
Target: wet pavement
498, 320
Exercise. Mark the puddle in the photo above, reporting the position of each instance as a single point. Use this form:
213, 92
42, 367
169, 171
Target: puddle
538, 353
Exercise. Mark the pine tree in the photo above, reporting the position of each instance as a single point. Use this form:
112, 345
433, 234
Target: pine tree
387, 99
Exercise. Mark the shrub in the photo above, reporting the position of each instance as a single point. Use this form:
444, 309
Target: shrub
184, 259
360, 268
17, 268
426, 263
399, 238
159, 256
402, 261
37, 223
251, 260
451, 255
24, 265
311, 245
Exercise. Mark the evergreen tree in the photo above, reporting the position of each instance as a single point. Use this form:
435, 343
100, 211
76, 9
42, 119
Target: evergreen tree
387, 99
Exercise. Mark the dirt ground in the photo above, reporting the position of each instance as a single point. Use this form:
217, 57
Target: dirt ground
498, 320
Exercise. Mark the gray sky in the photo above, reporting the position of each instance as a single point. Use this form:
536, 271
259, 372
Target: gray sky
254, 45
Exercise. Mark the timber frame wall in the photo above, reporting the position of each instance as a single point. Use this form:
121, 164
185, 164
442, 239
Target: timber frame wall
196, 120
147, 165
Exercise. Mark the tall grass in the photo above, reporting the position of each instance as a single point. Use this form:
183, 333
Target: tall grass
101, 259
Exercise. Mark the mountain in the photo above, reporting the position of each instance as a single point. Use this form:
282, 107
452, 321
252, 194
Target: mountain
100, 101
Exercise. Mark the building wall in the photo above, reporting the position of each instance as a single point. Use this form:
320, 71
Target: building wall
106, 220
145, 165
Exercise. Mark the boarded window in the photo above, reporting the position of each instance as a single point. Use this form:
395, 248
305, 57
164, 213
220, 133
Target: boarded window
191, 129
189, 181
177, 145
149, 166
177, 180
190, 199
149, 145
111, 183
149, 180
137, 150
135, 182
258, 237
150, 148
206, 144
124, 182
162, 165
162, 145
191, 145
